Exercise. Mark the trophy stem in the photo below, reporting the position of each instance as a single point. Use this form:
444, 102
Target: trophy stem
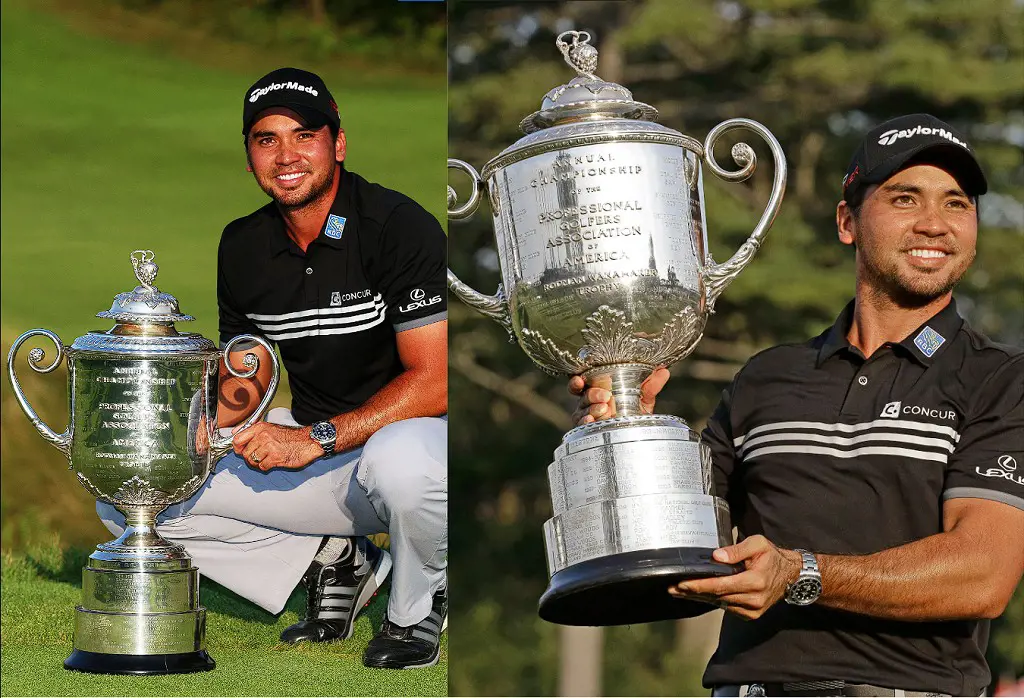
140, 538
623, 380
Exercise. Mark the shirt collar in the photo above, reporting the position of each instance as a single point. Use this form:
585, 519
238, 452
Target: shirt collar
338, 223
924, 344
835, 338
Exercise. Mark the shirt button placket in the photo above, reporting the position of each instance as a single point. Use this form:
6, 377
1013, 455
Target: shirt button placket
312, 292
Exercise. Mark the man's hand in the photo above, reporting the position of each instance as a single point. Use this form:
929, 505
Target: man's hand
769, 570
596, 402
265, 446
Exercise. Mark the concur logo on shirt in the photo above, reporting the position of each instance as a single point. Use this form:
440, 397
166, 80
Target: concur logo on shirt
895, 409
891, 409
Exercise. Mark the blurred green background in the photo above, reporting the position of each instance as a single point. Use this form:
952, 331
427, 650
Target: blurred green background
818, 75
121, 130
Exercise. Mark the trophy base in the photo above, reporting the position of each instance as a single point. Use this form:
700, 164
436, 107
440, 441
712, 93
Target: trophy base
139, 664
629, 588
140, 611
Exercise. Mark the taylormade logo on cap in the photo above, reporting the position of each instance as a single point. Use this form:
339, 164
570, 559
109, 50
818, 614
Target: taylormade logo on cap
890, 137
256, 94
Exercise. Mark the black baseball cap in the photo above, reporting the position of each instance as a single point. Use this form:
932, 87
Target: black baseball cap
914, 139
299, 90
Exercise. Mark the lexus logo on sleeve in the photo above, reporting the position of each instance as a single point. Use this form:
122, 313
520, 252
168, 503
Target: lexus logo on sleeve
1007, 464
419, 300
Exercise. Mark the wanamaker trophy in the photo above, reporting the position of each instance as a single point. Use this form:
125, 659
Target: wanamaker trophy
598, 215
141, 435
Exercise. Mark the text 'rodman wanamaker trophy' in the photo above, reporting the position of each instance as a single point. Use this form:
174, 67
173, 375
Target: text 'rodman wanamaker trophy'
598, 215
141, 436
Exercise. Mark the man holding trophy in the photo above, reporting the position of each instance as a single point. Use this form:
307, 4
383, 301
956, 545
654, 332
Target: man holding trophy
346, 278
872, 471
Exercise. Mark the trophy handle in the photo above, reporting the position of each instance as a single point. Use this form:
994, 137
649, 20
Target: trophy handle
219, 446
718, 276
62, 442
469, 208
496, 306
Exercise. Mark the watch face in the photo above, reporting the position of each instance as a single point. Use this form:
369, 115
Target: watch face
804, 591
323, 431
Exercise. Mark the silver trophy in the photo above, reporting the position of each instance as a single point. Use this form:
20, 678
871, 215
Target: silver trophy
598, 215
142, 435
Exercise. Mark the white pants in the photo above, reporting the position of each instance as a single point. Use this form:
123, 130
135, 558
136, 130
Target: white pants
256, 533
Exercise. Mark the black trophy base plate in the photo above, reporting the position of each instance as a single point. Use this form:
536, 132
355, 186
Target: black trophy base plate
629, 588
139, 664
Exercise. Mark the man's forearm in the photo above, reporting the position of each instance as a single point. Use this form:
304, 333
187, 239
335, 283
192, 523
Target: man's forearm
942, 577
413, 393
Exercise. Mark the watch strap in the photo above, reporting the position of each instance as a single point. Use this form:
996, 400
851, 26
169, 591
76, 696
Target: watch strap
810, 563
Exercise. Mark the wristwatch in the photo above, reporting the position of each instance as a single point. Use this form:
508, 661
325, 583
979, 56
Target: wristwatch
807, 587
324, 434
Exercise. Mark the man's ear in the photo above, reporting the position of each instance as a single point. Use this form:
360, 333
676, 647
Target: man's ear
339, 146
846, 224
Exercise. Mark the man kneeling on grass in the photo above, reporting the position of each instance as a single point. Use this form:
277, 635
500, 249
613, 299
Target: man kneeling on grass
347, 279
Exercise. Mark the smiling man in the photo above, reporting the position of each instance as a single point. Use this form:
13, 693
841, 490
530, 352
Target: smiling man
347, 279
872, 471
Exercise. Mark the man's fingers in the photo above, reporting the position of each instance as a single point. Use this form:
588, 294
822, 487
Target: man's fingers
751, 581
576, 385
733, 602
255, 451
653, 385
744, 550
596, 396
267, 462
581, 417
241, 438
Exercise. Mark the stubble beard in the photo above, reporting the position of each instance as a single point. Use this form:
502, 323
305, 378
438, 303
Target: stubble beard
300, 198
909, 289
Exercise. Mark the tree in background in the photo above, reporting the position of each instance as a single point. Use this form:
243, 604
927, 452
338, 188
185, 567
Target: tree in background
818, 75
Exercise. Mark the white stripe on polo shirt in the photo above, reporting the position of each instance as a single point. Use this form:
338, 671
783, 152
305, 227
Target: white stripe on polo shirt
877, 424
323, 320
837, 453
319, 322
326, 330
845, 440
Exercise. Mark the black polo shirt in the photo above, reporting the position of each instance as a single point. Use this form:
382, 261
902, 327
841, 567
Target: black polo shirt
378, 268
816, 447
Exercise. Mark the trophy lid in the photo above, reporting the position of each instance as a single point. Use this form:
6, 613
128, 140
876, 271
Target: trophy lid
586, 97
145, 321
145, 304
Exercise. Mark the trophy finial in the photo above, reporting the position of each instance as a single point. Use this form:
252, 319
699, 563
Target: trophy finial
579, 54
145, 268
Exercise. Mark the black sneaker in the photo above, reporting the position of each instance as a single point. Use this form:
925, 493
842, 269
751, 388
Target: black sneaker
395, 647
338, 591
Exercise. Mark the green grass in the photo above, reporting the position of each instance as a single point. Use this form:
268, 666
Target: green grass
41, 588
